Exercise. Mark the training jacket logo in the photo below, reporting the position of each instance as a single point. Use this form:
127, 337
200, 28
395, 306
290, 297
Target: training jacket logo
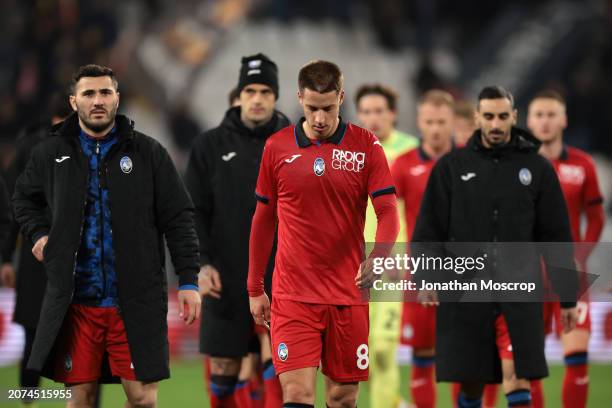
61, 159
229, 156
468, 176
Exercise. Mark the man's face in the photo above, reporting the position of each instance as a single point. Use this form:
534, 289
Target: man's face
435, 123
321, 110
257, 103
374, 114
495, 117
96, 101
464, 128
546, 119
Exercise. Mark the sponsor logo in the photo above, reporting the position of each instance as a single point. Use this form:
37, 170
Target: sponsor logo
418, 170
61, 159
525, 176
126, 164
347, 160
571, 174
229, 156
283, 352
468, 176
319, 166
290, 160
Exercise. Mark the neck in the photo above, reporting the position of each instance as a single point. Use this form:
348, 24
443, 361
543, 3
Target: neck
252, 124
552, 149
435, 152
96, 135
311, 135
385, 136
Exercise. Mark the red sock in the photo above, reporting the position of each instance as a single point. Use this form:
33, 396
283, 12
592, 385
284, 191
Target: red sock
256, 391
455, 390
222, 392
273, 394
537, 396
576, 381
422, 383
242, 394
489, 396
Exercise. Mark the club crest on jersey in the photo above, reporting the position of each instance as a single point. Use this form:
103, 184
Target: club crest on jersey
319, 166
525, 176
126, 164
349, 161
283, 352
68, 363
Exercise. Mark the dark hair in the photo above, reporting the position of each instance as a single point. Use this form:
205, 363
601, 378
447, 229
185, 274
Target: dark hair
495, 92
320, 76
378, 89
437, 97
92, 70
59, 105
550, 94
233, 95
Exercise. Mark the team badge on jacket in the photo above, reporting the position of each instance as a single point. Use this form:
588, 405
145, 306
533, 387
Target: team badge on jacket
525, 176
319, 166
126, 164
283, 352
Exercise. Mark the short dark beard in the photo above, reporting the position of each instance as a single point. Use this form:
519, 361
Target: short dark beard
97, 127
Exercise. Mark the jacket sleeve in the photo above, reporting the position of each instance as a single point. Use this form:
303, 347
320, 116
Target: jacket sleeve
5, 214
197, 179
29, 201
174, 216
553, 229
432, 224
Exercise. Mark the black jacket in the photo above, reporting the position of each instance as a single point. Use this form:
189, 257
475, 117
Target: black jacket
31, 279
221, 177
148, 202
512, 195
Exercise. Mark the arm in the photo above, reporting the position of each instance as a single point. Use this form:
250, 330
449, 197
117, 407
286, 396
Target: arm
174, 215
592, 203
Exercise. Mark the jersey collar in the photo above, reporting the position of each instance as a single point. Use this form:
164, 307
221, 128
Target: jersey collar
303, 141
564, 153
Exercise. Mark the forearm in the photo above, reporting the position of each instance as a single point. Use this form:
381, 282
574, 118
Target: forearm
261, 241
387, 226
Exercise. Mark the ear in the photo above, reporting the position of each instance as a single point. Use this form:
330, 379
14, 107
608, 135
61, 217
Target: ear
564, 120
118, 99
341, 97
72, 100
514, 117
300, 97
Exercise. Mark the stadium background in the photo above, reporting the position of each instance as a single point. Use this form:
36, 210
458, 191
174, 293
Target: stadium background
177, 61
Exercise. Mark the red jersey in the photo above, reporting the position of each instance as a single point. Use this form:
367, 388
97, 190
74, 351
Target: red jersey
410, 173
321, 192
576, 172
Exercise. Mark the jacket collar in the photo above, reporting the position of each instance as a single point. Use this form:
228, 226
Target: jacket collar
70, 128
303, 141
232, 121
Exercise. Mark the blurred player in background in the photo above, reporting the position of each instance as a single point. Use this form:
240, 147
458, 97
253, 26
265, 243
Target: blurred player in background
465, 122
410, 173
28, 277
575, 168
221, 177
376, 106
113, 194
314, 181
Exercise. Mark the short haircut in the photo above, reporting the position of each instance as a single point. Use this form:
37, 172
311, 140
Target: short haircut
92, 70
437, 97
495, 92
233, 95
550, 94
378, 89
320, 76
465, 109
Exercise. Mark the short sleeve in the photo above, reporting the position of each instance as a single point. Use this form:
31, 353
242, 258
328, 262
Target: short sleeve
397, 174
266, 181
380, 181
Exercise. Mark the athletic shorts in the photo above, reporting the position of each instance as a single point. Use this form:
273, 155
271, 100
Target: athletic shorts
552, 317
87, 333
418, 326
502, 338
336, 337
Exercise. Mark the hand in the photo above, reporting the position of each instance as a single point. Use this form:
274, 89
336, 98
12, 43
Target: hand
428, 298
7, 275
39, 246
569, 318
365, 275
209, 282
189, 305
260, 309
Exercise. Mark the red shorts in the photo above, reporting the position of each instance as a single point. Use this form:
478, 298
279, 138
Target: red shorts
305, 334
502, 338
418, 326
87, 333
552, 317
